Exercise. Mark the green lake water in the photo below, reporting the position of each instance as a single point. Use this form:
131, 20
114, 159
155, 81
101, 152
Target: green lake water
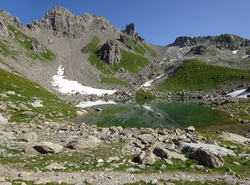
161, 115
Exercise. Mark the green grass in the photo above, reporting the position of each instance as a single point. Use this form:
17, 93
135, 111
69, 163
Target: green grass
150, 50
131, 62
26, 42
138, 48
112, 80
28, 90
195, 75
92, 48
6, 52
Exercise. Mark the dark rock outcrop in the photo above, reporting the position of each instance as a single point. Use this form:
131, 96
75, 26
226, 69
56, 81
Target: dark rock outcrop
131, 31
37, 47
110, 53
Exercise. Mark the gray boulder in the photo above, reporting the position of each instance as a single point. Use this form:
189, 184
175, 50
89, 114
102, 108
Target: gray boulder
84, 143
147, 138
21, 106
28, 137
44, 148
27, 113
146, 157
207, 158
214, 149
164, 153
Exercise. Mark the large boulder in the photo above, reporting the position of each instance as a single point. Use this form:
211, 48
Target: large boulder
164, 153
84, 143
207, 158
216, 150
147, 156
110, 53
28, 137
44, 148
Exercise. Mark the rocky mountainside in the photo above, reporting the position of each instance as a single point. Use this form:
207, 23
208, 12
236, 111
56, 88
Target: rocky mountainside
95, 53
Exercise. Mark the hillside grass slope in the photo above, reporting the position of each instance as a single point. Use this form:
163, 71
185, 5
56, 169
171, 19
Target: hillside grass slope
195, 75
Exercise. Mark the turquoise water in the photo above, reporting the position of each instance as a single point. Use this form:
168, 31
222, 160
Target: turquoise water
159, 115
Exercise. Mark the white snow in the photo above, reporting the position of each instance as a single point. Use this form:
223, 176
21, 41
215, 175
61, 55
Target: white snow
235, 51
66, 86
245, 56
239, 93
147, 107
149, 83
90, 104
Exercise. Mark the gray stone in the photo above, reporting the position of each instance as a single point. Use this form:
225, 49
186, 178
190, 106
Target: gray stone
164, 153
147, 156
197, 167
27, 113
147, 138
84, 143
3, 120
207, 158
217, 150
21, 106
44, 148
28, 137
190, 129
55, 166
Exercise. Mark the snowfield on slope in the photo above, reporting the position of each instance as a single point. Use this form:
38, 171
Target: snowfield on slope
239, 93
66, 86
98, 102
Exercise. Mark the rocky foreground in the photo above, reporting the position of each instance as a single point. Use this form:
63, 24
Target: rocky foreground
65, 152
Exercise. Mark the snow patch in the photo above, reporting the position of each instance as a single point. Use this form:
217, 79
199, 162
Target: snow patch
66, 86
235, 51
149, 83
239, 93
90, 103
245, 56
147, 107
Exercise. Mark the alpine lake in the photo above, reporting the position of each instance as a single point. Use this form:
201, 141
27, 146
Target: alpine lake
161, 114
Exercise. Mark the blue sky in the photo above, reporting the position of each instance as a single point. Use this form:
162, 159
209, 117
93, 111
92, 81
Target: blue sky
158, 21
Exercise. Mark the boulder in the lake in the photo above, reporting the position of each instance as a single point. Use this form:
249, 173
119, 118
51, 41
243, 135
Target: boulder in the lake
207, 158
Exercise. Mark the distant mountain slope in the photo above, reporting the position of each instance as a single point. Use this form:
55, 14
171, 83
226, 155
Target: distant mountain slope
95, 53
